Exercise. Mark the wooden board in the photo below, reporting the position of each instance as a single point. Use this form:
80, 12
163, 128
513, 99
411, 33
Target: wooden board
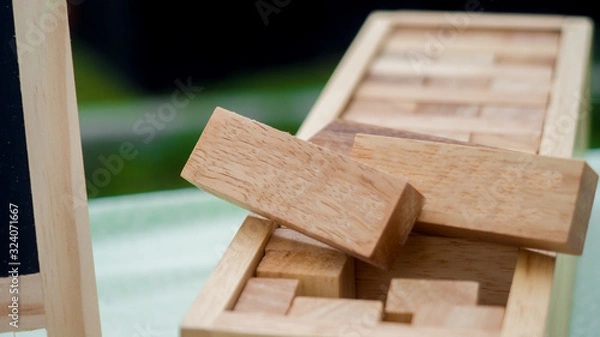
406, 296
490, 194
304, 187
52, 254
267, 296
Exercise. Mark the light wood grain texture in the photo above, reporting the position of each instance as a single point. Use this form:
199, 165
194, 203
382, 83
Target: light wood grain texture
322, 270
524, 143
447, 110
448, 124
388, 91
472, 18
480, 317
431, 257
336, 309
392, 67
346, 76
56, 171
565, 134
267, 296
351, 206
457, 82
339, 135
232, 324
406, 296
31, 305
222, 289
503, 196
527, 307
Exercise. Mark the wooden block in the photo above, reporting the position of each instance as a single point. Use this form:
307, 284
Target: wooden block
327, 196
339, 135
518, 85
369, 105
336, 309
473, 317
447, 109
381, 90
322, 270
453, 124
533, 117
406, 296
320, 274
267, 296
393, 67
441, 258
504, 196
524, 143
458, 83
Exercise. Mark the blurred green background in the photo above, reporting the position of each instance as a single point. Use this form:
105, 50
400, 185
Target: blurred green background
128, 150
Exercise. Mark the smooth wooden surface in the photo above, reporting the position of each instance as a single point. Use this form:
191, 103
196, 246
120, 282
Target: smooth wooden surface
351, 206
267, 295
495, 195
529, 299
336, 309
31, 306
406, 296
430, 257
480, 317
321, 270
221, 290
231, 324
57, 177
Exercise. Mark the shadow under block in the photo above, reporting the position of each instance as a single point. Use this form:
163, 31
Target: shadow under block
432, 257
337, 309
477, 317
267, 295
503, 196
406, 296
321, 270
346, 204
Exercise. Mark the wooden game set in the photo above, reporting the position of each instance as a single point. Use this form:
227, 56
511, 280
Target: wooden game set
431, 191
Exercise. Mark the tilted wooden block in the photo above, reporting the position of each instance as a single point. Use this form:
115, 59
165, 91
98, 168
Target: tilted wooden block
406, 296
434, 257
475, 317
267, 295
337, 309
346, 204
505, 196
321, 270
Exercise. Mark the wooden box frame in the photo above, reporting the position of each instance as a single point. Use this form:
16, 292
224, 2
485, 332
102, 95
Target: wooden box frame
540, 299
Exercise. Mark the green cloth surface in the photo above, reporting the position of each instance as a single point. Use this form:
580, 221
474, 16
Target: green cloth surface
154, 251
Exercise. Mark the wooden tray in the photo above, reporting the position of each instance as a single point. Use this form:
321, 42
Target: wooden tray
518, 82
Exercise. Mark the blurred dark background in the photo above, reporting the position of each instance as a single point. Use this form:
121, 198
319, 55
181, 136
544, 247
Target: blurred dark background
266, 59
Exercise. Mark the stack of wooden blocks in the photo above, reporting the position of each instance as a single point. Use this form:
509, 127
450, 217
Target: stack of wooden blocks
428, 192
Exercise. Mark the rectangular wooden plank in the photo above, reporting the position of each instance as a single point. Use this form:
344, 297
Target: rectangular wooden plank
529, 300
337, 309
476, 317
440, 258
348, 205
339, 135
489, 194
381, 90
267, 296
322, 270
230, 324
387, 66
406, 296
452, 124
